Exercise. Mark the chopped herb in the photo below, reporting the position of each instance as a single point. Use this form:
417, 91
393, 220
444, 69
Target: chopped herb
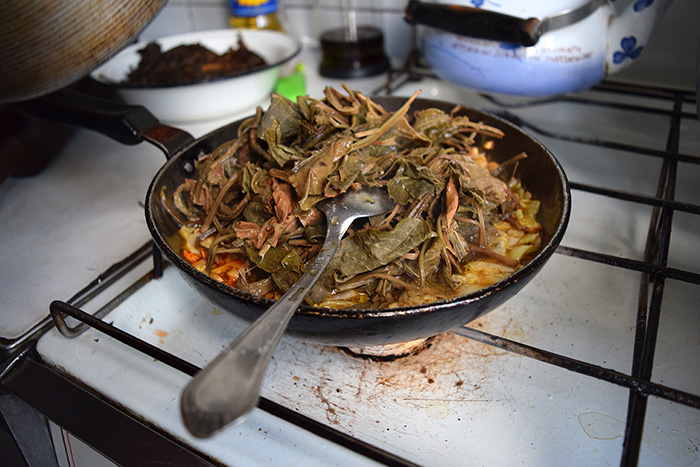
459, 224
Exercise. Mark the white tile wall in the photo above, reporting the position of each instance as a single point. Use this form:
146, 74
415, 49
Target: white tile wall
671, 58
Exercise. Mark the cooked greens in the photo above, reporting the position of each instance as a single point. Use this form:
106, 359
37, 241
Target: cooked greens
461, 221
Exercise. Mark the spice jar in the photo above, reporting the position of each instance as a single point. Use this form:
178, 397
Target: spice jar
254, 14
352, 50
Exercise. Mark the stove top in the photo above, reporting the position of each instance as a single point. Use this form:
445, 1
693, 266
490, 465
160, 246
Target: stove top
593, 361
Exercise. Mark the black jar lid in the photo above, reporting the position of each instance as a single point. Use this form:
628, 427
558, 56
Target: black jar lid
347, 57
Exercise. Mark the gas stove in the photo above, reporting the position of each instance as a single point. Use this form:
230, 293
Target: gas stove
593, 362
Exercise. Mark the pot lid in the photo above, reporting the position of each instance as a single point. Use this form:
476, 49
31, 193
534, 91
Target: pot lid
47, 45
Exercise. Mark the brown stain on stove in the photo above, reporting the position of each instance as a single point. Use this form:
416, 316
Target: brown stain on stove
161, 334
424, 370
451, 376
332, 409
450, 371
429, 370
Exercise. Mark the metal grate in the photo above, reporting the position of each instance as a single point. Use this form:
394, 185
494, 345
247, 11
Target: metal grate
654, 270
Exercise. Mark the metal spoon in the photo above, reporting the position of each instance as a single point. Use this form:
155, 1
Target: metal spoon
229, 386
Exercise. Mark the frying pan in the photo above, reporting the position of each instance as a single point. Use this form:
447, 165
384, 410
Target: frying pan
540, 173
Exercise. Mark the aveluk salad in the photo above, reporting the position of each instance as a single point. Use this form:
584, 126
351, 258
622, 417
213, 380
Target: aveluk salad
461, 221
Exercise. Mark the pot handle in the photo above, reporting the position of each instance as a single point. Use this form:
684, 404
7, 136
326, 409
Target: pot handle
127, 124
473, 22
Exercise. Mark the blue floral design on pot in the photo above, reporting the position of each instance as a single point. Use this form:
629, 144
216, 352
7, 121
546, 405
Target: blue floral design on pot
640, 5
512, 47
480, 3
629, 50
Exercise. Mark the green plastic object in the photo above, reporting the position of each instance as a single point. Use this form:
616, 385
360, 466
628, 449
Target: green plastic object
293, 85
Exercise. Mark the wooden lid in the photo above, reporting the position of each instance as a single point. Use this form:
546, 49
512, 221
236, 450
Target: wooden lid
46, 45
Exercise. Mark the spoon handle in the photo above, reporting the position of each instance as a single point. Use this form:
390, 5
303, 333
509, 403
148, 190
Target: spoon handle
229, 386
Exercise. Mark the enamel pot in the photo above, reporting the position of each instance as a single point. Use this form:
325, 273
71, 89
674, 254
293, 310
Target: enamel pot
534, 47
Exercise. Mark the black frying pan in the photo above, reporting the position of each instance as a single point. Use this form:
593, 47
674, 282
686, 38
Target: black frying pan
540, 173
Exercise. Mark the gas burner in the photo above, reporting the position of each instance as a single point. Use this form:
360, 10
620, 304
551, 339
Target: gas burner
389, 352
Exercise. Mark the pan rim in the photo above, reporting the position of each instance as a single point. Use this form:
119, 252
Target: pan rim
525, 272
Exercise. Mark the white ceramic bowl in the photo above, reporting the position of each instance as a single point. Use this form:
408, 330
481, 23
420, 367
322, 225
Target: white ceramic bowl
212, 99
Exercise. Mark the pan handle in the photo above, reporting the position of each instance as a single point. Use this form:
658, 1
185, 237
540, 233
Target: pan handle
127, 124
473, 22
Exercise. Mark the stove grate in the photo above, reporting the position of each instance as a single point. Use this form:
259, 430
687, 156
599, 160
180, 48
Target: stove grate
654, 268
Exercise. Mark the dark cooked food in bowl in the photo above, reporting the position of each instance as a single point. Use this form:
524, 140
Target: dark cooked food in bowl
228, 97
462, 221
191, 63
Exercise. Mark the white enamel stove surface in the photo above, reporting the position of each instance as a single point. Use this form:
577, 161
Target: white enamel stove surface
458, 402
